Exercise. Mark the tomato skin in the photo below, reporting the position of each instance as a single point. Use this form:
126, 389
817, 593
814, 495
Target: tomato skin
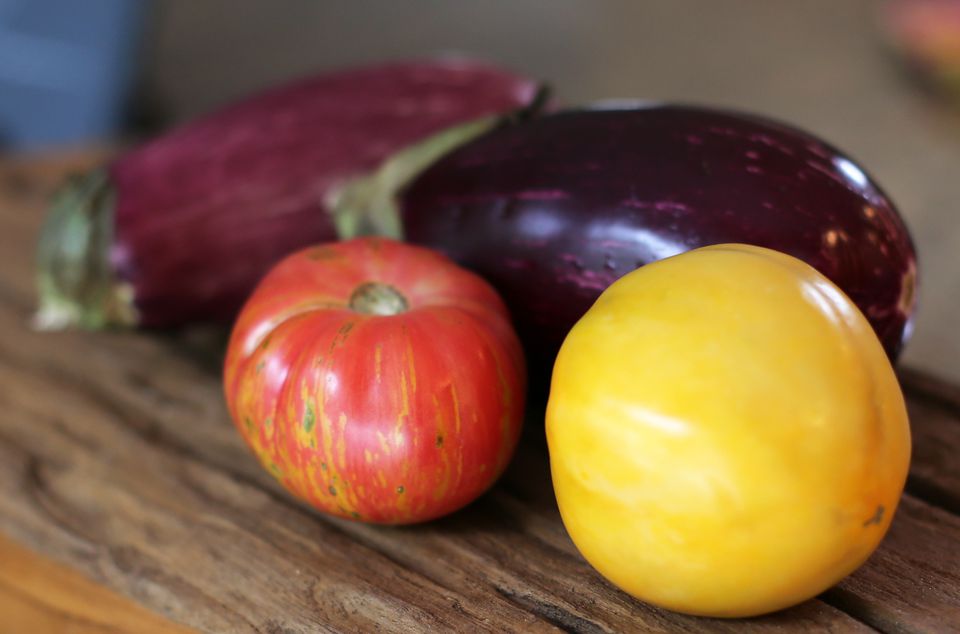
727, 436
385, 418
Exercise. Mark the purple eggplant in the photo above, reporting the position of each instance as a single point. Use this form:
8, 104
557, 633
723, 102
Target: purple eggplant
182, 228
555, 209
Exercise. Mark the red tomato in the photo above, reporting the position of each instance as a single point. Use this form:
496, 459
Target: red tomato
377, 381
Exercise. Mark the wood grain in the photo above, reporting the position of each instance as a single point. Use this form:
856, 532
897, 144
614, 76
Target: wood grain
37, 595
935, 422
912, 582
151, 492
117, 458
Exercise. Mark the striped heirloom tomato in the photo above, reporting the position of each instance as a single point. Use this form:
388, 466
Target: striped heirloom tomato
377, 381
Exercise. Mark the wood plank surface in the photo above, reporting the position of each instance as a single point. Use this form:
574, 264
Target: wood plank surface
117, 458
37, 595
913, 581
935, 422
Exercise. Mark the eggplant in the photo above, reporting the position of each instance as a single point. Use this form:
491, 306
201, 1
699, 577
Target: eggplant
555, 209
180, 229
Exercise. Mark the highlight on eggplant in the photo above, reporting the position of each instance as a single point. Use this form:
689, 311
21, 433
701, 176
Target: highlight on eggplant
554, 210
180, 229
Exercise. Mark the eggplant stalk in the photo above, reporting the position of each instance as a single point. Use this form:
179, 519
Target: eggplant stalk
369, 204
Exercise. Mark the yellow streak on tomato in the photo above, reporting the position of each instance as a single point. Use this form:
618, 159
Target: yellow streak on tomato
247, 412
405, 474
411, 368
444, 483
268, 433
378, 362
404, 413
275, 435
288, 415
456, 409
382, 439
342, 441
457, 424
333, 457
312, 483
331, 475
367, 456
382, 479
347, 498
324, 427
300, 434
441, 489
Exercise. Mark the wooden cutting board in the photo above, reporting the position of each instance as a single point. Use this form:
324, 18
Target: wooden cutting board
118, 460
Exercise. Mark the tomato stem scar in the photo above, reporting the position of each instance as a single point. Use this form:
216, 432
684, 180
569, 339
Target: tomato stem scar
376, 298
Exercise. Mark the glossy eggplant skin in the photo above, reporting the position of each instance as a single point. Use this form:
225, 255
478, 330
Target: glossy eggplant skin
554, 210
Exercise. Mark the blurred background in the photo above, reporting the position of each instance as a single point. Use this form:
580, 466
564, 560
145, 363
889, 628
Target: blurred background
101, 72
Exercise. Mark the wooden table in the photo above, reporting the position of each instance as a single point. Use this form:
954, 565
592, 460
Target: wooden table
118, 460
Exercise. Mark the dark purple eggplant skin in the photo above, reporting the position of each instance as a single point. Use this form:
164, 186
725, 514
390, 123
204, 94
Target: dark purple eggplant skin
554, 210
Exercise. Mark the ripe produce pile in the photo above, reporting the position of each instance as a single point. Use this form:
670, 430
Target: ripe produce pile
726, 433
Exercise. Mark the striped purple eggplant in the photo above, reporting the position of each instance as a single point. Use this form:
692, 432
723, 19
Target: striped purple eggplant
182, 228
555, 209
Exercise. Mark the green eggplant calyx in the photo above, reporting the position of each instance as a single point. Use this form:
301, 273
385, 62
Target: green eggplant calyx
76, 284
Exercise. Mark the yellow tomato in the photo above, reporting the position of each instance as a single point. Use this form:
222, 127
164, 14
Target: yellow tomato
727, 436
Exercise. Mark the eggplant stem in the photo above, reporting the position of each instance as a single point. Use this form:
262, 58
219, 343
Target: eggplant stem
368, 204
